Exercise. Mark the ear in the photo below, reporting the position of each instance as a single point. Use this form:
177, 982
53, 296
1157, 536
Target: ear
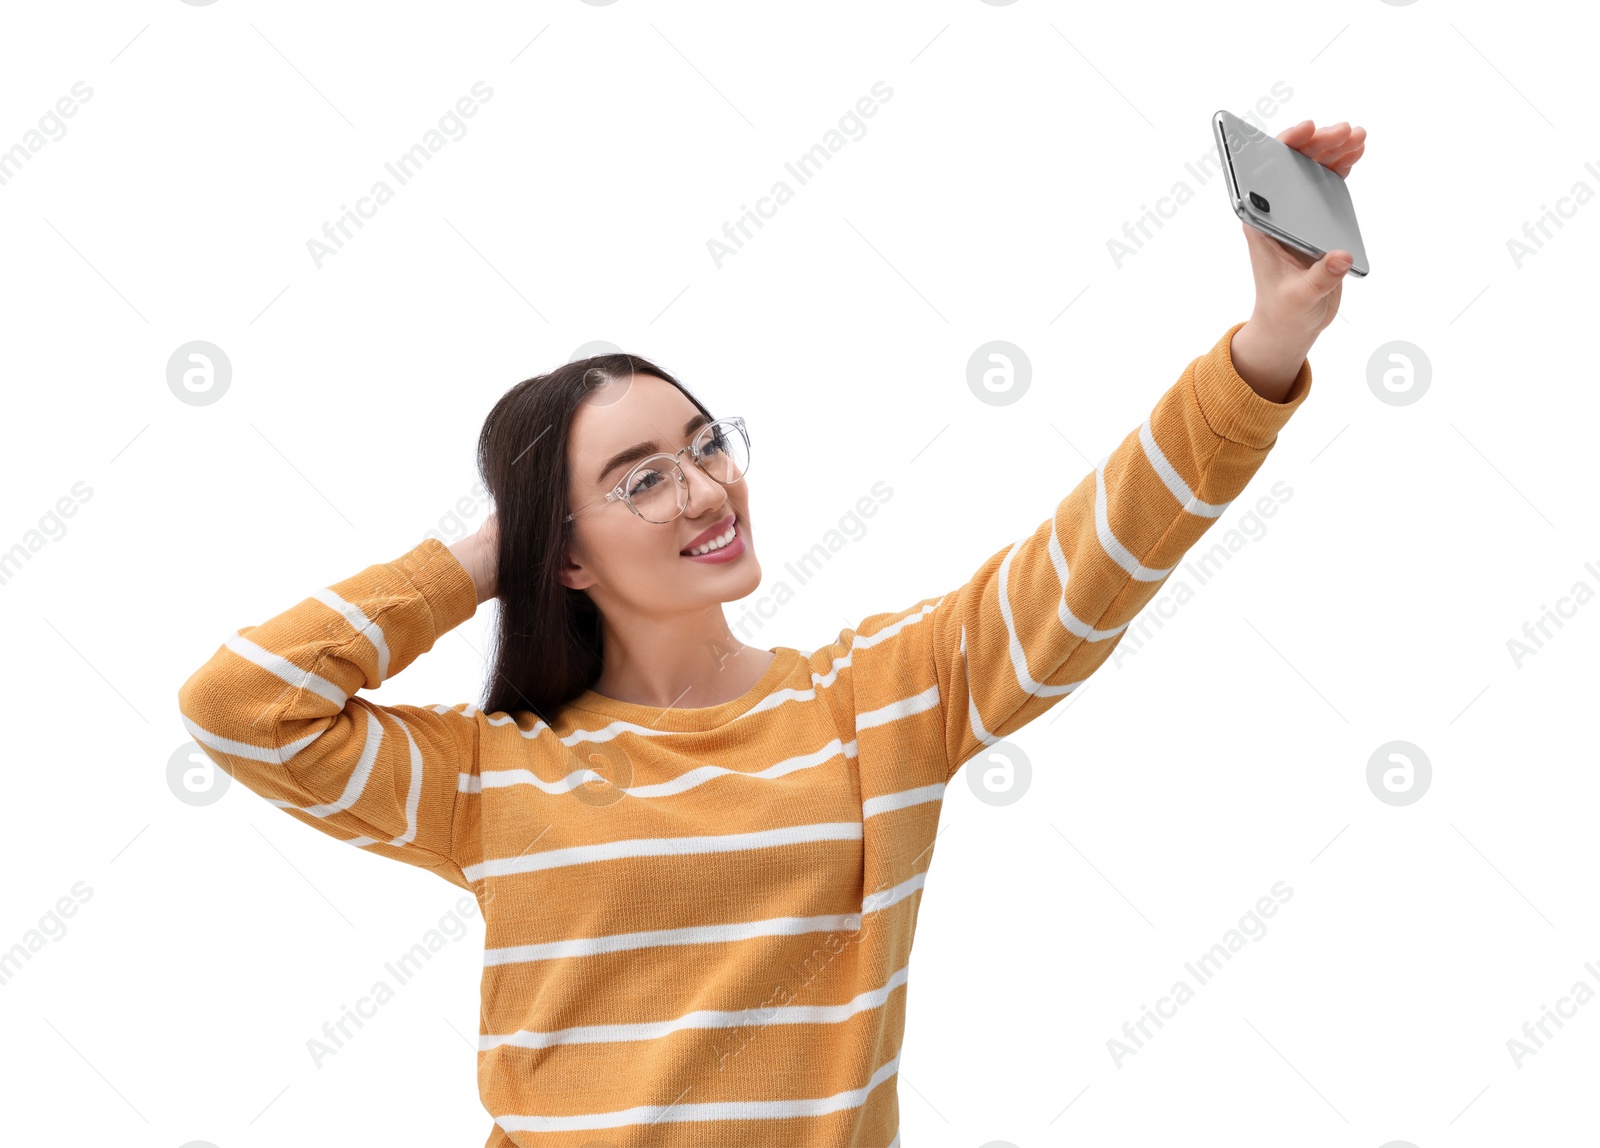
573, 575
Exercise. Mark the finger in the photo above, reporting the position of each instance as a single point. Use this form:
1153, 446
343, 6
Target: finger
1270, 247
1328, 143
1346, 162
1298, 134
1356, 140
1326, 272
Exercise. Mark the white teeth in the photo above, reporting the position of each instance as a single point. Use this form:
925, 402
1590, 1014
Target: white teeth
716, 543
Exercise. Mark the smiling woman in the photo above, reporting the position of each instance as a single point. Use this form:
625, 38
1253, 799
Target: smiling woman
700, 863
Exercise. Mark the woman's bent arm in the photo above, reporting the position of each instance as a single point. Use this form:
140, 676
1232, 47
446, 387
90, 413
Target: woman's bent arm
275, 708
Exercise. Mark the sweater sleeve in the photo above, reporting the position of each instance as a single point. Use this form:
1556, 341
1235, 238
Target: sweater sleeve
275, 708
1043, 613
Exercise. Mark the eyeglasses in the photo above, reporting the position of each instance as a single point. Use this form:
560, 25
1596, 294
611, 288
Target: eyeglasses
657, 490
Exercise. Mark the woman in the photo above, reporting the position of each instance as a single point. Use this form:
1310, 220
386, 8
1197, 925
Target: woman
699, 862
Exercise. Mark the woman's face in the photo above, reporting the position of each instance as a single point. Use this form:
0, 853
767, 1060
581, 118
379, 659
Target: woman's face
625, 562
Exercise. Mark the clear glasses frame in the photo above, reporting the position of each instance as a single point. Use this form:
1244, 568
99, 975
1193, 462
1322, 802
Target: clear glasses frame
695, 449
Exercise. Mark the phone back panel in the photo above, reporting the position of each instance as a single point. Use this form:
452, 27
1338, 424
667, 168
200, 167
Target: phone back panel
1308, 205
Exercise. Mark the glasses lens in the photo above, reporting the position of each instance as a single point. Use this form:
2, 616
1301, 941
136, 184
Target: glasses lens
724, 451
657, 490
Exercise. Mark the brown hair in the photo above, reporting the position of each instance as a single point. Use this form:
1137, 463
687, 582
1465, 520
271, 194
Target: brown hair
547, 649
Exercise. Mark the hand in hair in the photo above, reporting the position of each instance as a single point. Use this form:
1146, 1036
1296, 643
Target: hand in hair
478, 552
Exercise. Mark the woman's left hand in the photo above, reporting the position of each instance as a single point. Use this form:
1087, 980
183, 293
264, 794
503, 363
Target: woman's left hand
1297, 296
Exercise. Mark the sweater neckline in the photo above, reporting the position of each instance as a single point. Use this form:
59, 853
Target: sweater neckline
694, 718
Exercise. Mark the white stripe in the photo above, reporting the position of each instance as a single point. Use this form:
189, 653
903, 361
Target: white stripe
665, 847
275, 755
905, 707
974, 719
414, 792
357, 781
889, 802
501, 778
877, 902
363, 625
285, 669
688, 935
1119, 553
357, 784
705, 934
1019, 656
893, 628
710, 1110
700, 1018
1181, 490
1072, 623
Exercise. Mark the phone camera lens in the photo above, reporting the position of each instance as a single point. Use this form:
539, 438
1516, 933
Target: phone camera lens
1260, 201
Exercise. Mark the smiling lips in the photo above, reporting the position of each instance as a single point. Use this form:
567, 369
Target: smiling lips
713, 534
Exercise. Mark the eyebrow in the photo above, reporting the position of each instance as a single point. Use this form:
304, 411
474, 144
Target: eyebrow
645, 449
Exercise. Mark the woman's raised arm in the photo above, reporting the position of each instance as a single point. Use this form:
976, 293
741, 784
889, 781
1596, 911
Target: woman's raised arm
952, 675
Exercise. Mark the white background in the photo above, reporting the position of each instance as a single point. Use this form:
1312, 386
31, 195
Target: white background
1167, 796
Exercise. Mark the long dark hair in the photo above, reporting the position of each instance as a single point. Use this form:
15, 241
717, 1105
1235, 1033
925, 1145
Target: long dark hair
547, 649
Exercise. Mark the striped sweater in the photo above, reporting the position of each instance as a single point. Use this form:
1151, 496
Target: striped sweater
698, 921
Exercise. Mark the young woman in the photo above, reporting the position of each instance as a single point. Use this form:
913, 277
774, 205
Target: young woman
699, 862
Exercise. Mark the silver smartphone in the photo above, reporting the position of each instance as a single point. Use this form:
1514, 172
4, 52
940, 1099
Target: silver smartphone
1286, 194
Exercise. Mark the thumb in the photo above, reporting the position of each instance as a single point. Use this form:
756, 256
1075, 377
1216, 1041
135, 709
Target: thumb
1330, 269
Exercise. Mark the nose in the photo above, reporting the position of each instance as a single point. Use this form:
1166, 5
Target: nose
711, 492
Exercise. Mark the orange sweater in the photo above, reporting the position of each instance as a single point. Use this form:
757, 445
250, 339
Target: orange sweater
713, 950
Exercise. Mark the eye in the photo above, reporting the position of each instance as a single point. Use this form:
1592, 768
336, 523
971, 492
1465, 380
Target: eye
645, 480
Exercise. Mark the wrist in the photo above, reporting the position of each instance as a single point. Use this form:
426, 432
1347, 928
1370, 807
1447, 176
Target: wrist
1267, 359
469, 554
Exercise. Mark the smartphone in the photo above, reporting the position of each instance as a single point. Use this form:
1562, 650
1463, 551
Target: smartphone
1286, 194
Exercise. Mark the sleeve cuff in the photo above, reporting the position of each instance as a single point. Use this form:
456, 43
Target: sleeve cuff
1234, 411
442, 581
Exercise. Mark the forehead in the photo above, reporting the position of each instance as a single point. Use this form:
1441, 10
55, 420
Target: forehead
620, 415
